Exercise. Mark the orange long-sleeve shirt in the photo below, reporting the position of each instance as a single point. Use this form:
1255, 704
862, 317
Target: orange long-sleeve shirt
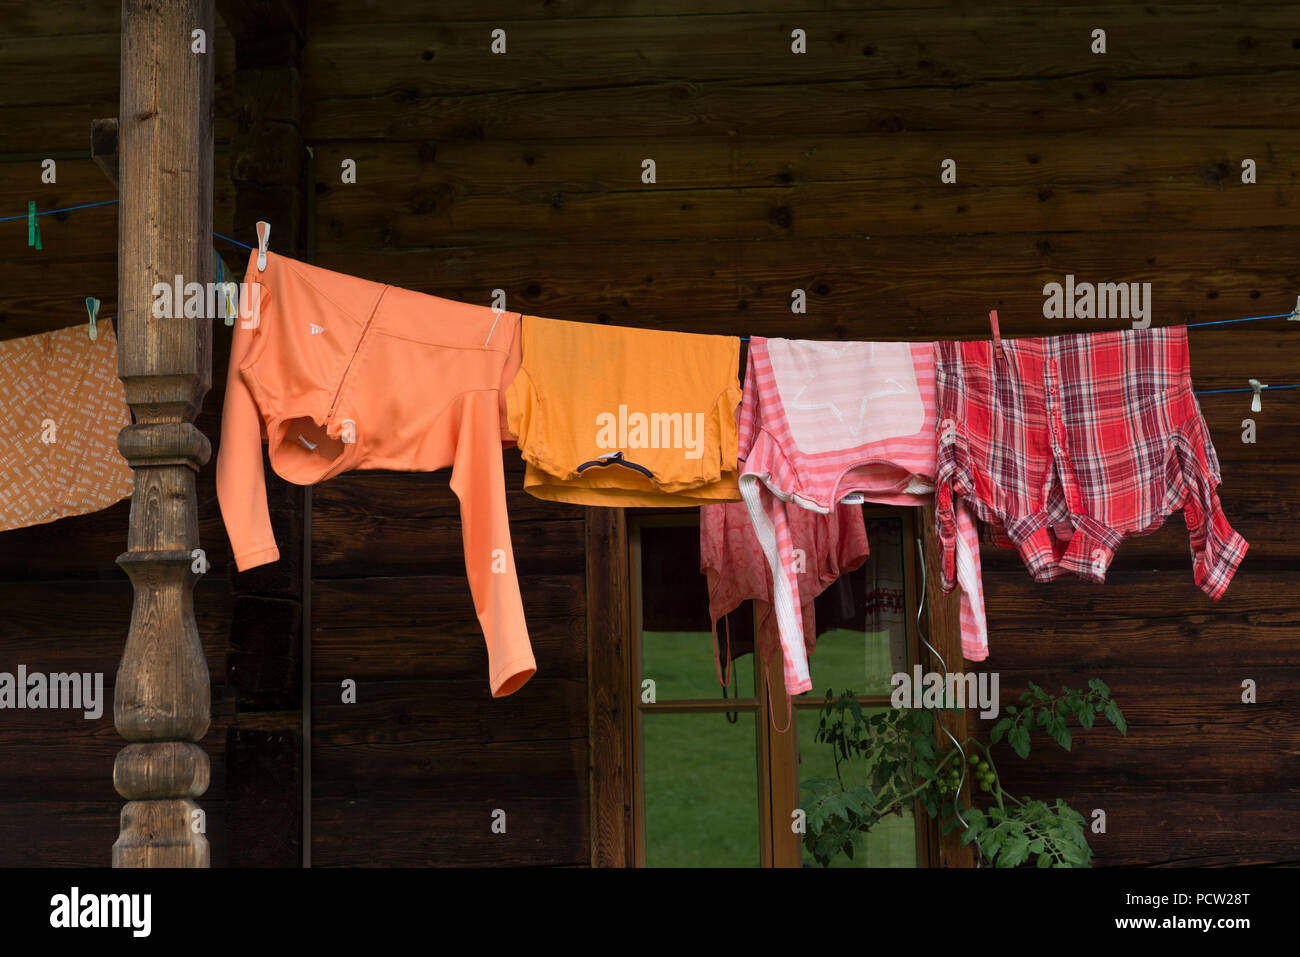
336, 373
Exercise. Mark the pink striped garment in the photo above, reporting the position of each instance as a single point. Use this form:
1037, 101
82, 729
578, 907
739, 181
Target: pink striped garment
823, 423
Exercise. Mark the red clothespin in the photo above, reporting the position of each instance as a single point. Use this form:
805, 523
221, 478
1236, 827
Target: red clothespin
997, 336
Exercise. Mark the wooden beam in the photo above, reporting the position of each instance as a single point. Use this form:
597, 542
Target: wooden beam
104, 137
162, 699
609, 707
103, 147
943, 615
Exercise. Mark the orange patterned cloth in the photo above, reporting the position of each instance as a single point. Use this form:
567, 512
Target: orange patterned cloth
63, 406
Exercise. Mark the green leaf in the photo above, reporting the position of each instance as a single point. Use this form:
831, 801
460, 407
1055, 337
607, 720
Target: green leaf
999, 729
1015, 851
1061, 734
1116, 717
1019, 741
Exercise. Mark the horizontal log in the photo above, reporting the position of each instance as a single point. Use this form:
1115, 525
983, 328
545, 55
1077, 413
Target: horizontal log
887, 51
427, 832
80, 833
742, 107
57, 755
428, 600
400, 713
442, 175
1187, 732
449, 11
466, 771
365, 545
449, 647
54, 112
81, 625
1162, 595
799, 213
1184, 828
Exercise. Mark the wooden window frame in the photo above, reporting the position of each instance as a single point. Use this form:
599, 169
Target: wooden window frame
614, 759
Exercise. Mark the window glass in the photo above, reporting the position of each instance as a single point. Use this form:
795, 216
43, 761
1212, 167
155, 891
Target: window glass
701, 803
892, 841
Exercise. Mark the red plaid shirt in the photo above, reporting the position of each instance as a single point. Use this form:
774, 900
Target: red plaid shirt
1067, 444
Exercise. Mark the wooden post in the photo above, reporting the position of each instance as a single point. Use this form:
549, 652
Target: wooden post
162, 697
609, 707
943, 613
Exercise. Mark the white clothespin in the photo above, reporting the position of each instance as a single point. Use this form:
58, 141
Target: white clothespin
1256, 386
263, 235
1295, 316
92, 307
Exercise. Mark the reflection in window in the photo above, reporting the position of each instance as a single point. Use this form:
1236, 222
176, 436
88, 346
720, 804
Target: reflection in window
718, 782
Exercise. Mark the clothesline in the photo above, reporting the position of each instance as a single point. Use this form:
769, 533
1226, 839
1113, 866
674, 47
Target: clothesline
107, 202
1190, 325
65, 209
1193, 325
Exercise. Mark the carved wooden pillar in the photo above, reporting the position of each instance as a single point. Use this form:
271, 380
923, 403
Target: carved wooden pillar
162, 698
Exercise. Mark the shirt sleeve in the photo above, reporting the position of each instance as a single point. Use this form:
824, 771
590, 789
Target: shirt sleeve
478, 479
241, 479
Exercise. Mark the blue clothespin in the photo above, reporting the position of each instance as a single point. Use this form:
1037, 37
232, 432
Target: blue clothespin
33, 226
92, 307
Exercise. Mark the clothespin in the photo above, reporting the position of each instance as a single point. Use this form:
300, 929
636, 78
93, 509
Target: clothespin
33, 226
1256, 386
1295, 316
997, 336
263, 235
225, 294
92, 307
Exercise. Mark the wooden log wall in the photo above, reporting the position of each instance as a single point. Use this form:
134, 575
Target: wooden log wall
818, 172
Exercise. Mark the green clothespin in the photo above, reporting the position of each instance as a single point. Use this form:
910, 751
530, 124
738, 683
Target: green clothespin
92, 307
33, 227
